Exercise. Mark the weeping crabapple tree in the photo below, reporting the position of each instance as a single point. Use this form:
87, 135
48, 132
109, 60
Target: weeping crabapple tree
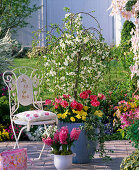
129, 9
75, 56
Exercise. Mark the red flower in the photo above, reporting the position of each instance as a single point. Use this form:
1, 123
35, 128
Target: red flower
66, 96
95, 103
74, 104
79, 107
93, 97
101, 96
84, 95
88, 91
47, 102
64, 103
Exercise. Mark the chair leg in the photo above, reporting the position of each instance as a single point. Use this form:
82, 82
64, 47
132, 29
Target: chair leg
16, 139
42, 151
44, 143
19, 136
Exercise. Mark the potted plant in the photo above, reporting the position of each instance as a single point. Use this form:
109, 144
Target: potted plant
61, 142
87, 113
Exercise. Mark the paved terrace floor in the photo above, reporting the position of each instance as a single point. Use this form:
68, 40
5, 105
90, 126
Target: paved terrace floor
121, 149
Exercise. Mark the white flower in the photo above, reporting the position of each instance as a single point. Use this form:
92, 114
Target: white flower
46, 64
67, 15
53, 73
78, 40
71, 73
86, 39
44, 56
62, 78
66, 62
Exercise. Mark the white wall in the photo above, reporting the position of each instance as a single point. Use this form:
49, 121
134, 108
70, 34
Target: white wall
55, 14
53, 9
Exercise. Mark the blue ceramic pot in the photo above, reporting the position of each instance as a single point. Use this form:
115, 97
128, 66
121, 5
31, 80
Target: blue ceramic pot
80, 147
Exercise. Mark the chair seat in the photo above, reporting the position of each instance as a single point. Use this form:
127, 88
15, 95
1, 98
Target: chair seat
35, 117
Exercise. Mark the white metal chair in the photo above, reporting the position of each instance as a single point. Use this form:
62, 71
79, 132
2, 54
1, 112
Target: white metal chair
21, 83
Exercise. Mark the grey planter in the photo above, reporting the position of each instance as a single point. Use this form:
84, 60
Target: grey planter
80, 147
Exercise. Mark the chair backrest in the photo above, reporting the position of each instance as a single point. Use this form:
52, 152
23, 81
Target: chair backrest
21, 83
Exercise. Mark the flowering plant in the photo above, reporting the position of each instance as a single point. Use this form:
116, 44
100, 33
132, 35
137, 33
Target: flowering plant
74, 53
70, 110
129, 9
128, 114
60, 140
88, 110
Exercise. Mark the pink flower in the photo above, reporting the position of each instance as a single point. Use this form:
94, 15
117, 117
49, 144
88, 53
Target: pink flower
65, 128
88, 91
46, 113
58, 100
95, 103
47, 102
64, 103
47, 141
27, 115
56, 137
66, 96
3, 94
101, 96
74, 135
122, 102
74, 104
93, 97
110, 92
79, 107
56, 106
84, 95
136, 97
36, 115
63, 135
3, 89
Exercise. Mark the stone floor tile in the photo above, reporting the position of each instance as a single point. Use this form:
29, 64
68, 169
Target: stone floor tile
121, 149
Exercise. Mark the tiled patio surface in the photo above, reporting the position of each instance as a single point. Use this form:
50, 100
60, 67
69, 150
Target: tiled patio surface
120, 148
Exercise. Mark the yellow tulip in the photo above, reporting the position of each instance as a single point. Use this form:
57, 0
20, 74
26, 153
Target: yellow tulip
78, 116
85, 108
84, 118
59, 115
72, 119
